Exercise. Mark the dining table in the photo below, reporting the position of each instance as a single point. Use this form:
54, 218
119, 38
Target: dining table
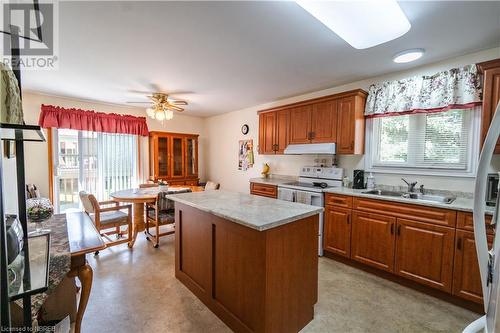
140, 196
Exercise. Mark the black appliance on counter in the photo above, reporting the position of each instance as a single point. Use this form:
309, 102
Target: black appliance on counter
358, 179
492, 189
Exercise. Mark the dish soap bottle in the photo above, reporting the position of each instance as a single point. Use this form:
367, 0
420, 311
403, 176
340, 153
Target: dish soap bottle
370, 182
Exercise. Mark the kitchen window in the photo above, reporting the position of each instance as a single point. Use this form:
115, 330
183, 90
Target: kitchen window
431, 143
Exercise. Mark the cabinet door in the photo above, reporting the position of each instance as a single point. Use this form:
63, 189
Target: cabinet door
324, 122
281, 139
267, 132
346, 126
424, 253
466, 278
300, 125
491, 95
191, 157
373, 238
337, 231
163, 157
177, 157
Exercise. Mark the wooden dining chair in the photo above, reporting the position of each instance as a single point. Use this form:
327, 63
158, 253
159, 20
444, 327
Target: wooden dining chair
161, 213
106, 218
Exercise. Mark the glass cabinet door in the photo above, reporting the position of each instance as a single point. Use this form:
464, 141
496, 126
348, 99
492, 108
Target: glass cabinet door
177, 157
163, 153
191, 160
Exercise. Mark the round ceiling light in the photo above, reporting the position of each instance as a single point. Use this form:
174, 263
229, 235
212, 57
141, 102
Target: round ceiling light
408, 56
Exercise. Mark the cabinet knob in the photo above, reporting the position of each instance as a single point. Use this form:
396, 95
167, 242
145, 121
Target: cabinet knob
459, 243
399, 229
392, 228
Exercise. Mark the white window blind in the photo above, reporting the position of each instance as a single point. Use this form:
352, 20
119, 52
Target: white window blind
440, 140
99, 163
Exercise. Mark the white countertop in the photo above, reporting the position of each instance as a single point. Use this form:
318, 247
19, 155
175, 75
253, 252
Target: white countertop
461, 204
256, 212
273, 180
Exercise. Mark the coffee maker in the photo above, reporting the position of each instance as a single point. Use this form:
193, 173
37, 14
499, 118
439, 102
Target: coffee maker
358, 179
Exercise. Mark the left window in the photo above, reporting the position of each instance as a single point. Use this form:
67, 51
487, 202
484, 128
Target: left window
99, 163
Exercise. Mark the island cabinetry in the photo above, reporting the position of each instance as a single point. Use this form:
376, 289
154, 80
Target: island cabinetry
264, 190
336, 118
255, 281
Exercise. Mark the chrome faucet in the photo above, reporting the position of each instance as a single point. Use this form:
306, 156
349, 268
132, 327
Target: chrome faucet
411, 186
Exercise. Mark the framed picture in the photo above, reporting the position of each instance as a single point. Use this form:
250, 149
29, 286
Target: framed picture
245, 154
9, 148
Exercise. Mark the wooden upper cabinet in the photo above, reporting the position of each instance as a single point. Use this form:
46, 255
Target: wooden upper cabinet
351, 125
372, 240
273, 132
324, 122
424, 253
173, 156
281, 136
267, 130
491, 95
337, 231
466, 276
337, 119
300, 124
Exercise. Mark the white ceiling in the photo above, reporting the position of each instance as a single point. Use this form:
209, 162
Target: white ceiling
227, 56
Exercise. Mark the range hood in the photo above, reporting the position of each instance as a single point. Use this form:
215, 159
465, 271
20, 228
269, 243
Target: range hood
311, 149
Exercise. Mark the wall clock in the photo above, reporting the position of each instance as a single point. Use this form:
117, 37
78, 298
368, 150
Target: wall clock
244, 129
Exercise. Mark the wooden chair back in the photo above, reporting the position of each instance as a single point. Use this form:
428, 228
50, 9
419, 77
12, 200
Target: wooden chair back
89, 201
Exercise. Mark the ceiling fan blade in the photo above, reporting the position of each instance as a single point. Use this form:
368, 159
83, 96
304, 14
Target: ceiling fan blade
175, 108
178, 102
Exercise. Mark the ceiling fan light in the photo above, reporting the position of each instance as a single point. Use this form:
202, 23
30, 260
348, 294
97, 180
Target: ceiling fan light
150, 112
169, 114
160, 116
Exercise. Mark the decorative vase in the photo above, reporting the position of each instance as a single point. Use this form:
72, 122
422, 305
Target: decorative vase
39, 210
163, 188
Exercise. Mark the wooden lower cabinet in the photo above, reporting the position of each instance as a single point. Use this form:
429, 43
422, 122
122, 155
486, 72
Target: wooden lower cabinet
372, 240
424, 253
337, 231
264, 190
466, 278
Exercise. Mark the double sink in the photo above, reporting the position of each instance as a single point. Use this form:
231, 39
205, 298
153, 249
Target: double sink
412, 195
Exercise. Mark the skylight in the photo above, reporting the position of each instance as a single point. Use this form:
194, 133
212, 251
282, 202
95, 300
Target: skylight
362, 24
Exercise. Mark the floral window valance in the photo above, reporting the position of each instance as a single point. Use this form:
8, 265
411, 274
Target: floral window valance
58, 117
457, 88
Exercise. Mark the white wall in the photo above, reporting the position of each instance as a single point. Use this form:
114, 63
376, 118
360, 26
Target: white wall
223, 133
37, 156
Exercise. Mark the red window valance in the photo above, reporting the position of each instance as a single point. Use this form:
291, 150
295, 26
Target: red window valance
58, 117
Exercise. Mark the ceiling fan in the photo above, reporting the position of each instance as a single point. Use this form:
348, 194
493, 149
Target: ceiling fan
162, 107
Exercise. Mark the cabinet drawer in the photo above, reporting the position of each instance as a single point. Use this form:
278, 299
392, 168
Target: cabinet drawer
466, 222
414, 212
264, 190
338, 200
193, 182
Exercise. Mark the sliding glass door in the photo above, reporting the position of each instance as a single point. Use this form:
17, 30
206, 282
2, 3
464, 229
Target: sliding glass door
99, 163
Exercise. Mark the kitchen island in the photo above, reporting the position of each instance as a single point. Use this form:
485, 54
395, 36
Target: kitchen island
251, 260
